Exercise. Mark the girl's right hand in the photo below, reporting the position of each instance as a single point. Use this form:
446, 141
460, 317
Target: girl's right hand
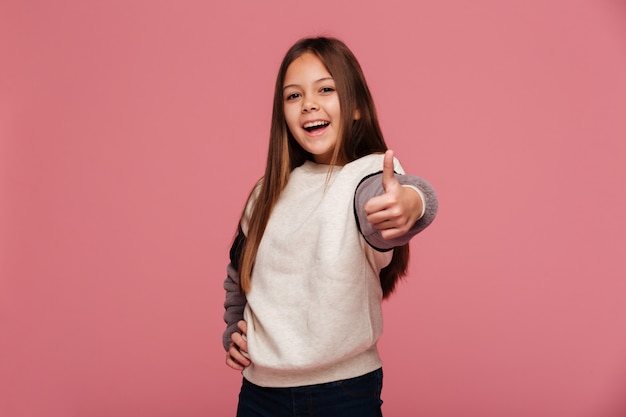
237, 355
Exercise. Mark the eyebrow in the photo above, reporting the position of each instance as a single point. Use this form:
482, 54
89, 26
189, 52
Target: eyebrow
315, 82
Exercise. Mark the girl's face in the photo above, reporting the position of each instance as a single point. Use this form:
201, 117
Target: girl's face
311, 107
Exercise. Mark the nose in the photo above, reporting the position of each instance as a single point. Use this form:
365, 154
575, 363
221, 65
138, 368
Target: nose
309, 106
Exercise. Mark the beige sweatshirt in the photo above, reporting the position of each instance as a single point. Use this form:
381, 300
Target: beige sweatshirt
314, 309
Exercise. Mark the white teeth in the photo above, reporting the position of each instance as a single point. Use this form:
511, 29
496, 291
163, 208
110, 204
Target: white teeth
314, 124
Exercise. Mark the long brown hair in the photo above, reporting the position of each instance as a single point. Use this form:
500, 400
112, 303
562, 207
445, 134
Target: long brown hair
358, 138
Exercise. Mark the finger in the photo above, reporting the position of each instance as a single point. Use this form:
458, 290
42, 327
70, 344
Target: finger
382, 222
389, 178
381, 202
383, 207
391, 233
240, 341
230, 362
238, 356
243, 326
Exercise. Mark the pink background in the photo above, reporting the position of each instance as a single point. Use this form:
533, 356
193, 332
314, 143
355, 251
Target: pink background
132, 131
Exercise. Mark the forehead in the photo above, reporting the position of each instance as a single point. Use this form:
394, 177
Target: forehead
307, 68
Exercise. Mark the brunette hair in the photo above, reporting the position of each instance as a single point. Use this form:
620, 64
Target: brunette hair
357, 138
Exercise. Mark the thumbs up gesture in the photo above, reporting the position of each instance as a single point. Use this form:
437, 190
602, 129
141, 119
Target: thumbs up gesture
397, 210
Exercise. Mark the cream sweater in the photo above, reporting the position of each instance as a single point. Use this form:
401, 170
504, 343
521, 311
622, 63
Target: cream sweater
314, 309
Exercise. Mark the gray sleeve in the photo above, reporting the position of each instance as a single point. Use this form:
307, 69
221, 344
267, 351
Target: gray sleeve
234, 304
235, 301
372, 186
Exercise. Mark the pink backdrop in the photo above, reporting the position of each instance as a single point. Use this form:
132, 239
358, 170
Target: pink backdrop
132, 131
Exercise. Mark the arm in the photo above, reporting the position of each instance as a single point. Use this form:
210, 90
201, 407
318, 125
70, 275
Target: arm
233, 338
234, 305
390, 209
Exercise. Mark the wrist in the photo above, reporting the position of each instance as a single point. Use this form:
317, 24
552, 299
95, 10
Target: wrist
422, 199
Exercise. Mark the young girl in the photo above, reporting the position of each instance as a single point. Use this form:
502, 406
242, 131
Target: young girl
322, 240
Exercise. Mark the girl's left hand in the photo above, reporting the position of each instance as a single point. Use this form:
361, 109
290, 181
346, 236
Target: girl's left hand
397, 210
236, 357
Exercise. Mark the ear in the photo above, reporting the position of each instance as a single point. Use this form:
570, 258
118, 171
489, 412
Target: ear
357, 114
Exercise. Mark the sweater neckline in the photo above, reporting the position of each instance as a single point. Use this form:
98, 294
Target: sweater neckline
315, 168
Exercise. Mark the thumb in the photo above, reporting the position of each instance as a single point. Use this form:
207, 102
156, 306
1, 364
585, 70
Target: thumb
389, 178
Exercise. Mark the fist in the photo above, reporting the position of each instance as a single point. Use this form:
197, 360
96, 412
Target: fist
397, 210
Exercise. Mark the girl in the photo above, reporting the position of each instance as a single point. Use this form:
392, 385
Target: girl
322, 240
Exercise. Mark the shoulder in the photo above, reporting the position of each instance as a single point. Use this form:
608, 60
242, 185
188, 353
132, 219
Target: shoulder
371, 164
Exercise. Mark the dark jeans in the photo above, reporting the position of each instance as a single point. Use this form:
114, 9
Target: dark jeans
354, 397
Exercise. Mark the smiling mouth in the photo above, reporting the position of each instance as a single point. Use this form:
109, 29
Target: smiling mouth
312, 126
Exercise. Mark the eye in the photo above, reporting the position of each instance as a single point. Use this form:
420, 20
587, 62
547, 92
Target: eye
292, 96
327, 90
